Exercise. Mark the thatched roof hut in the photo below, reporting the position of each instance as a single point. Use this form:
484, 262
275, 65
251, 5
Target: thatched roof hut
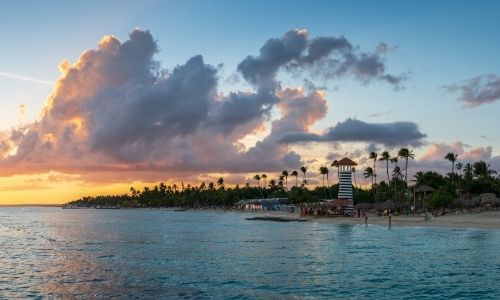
424, 189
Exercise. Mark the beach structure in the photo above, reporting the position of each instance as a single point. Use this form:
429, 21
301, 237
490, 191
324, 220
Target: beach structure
345, 197
263, 204
345, 171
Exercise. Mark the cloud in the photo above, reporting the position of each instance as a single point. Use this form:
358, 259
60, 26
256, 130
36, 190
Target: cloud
275, 53
352, 130
438, 151
477, 91
115, 115
328, 57
115, 112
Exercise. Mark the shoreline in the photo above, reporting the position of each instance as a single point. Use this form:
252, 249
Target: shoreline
472, 220
479, 220
482, 220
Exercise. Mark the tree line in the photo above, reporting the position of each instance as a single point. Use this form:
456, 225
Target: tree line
473, 178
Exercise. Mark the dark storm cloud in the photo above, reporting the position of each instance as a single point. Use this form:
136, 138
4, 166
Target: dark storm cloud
141, 111
328, 57
352, 130
240, 108
275, 53
478, 90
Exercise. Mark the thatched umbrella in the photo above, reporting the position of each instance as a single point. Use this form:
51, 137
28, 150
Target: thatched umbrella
424, 189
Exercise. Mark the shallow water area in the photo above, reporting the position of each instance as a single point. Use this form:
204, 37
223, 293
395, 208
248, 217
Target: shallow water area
56, 253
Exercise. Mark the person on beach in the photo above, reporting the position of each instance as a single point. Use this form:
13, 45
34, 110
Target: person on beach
390, 219
366, 218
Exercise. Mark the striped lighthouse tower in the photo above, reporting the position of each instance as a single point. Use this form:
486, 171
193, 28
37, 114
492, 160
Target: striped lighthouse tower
345, 185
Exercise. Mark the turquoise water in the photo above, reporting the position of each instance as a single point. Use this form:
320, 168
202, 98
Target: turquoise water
55, 253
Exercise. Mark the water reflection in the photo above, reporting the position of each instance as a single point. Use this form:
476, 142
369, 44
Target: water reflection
58, 253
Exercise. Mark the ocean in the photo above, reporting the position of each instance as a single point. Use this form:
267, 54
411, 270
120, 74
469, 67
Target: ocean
153, 254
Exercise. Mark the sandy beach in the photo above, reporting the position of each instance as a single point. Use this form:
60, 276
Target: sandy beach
482, 220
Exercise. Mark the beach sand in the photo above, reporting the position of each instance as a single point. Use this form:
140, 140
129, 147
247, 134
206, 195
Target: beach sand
482, 220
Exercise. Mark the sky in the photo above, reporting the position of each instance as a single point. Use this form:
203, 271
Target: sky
98, 96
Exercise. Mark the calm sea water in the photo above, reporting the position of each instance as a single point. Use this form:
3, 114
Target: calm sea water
55, 253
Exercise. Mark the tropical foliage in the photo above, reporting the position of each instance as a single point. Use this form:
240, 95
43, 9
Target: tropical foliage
471, 178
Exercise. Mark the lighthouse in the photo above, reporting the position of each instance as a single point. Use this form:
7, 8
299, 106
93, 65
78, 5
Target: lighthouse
345, 183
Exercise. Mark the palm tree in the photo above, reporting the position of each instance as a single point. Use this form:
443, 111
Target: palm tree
272, 184
459, 168
468, 171
220, 183
373, 155
394, 160
323, 171
285, 175
406, 153
265, 179
386, 157
369, 174
353, 170
327, 172
335, 164
296, 175
396, 175
451, 157
257, 177
304, 170
481, 169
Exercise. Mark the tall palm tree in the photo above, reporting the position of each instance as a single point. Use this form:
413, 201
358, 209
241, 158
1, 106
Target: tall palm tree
353, 170
285, 175
373, 155
303, 169
335, 164
328, 182
296, 175
406, 153
265, 179
369, 174
323, 171
397, 175
385, 156
459, 167
452, 157
257, 177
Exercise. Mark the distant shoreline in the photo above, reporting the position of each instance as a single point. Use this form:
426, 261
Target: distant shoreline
31, 205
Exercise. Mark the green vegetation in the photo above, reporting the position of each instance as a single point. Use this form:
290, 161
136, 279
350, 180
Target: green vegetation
475, 179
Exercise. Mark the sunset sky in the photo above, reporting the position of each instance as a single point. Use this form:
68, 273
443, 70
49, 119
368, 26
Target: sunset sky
98, 96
